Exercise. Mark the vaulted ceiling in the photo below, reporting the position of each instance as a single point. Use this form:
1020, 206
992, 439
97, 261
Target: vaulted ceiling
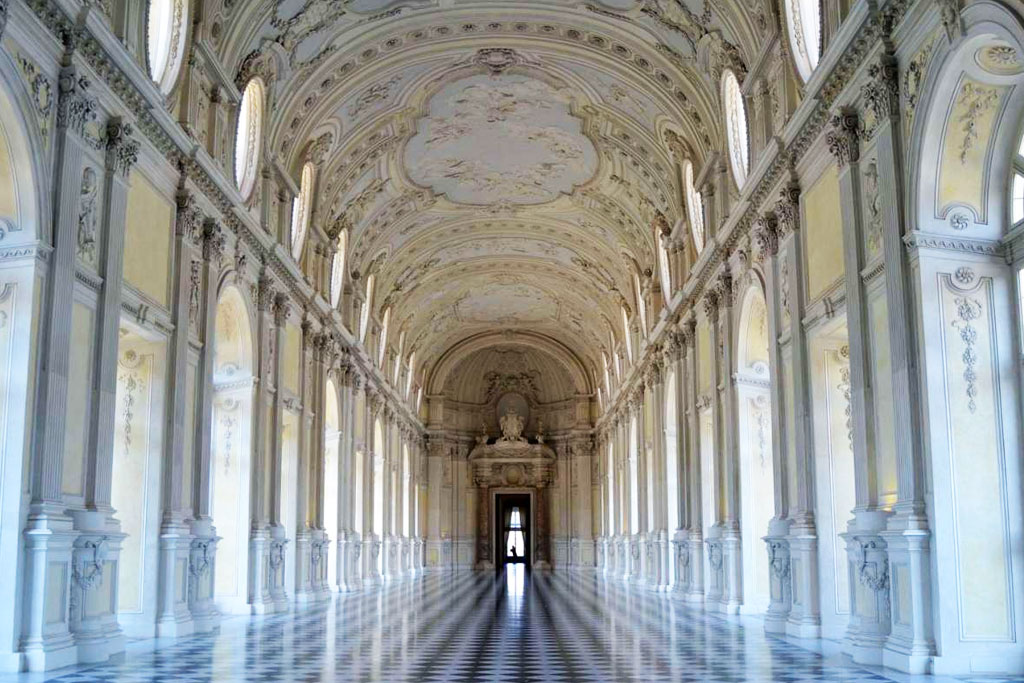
499, 165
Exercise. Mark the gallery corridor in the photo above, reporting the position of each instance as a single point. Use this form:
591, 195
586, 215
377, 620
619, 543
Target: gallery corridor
473, 626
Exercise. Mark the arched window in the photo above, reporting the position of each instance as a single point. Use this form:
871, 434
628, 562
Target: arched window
666, 274
247, 137
803, 19
338, 269
382, 351
419, 398
736, 127
1017, 197
641, 305
694, 207
364, 312
625, 334
301, 207
166, 29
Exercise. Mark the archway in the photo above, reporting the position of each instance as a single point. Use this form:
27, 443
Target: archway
22, 194
753, 400
332, 478
231, 448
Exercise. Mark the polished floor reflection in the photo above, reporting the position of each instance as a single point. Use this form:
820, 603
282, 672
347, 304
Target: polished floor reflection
568, 625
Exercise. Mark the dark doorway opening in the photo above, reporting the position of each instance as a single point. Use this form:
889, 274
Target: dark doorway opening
512, 530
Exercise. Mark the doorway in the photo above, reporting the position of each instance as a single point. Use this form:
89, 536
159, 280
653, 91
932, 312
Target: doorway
512, 530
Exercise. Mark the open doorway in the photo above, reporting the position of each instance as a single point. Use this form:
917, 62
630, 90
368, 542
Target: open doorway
512, 530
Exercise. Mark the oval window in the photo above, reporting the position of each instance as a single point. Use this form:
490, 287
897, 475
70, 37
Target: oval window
247, 136
166, 24
736, 127
803, 20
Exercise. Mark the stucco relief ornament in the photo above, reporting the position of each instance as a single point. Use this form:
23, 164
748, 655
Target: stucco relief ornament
950, 12
959, 221
844, 138
964, 276
968, 310
511, 426
87, 216
74, 108
976, 99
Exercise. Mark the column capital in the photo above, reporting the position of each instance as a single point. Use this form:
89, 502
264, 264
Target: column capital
723, 290
844, 137
281, 308
122, 148
213, 241
710, 303
189, 218
881, 93
265, 292
688, 331
766, 235
787, 209
75, 109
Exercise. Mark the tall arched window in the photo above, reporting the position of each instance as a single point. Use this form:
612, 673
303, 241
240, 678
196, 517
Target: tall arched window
364, 312
1017, 197
803, 19
382, 351
338, 269
301, 208
641, 305
736, 127
166, 30
247, 137
694, 207
666, 273
625, 334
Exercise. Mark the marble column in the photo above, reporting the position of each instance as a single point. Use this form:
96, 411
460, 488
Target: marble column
910, 643
804, 618
693, 560
46, 643
766, 241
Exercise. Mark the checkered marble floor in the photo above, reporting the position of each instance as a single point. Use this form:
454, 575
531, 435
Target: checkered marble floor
562, 626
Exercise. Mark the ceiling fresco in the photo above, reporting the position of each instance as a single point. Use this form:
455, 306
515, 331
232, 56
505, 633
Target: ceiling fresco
500, 138
498, 165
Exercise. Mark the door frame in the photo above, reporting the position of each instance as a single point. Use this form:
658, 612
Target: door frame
505, 491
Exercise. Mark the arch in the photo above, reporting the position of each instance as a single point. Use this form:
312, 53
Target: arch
970, 310
231, 447
24, 190
437, 377
756, 458
248, 136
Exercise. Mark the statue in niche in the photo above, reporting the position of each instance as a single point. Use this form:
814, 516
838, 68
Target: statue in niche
484, 436
87, 217
540, 431
511, 426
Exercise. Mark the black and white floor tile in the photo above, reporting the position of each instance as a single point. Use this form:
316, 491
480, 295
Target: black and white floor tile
562, 626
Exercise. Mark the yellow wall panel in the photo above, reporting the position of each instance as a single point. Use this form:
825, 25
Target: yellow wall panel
823, 233
147, 239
